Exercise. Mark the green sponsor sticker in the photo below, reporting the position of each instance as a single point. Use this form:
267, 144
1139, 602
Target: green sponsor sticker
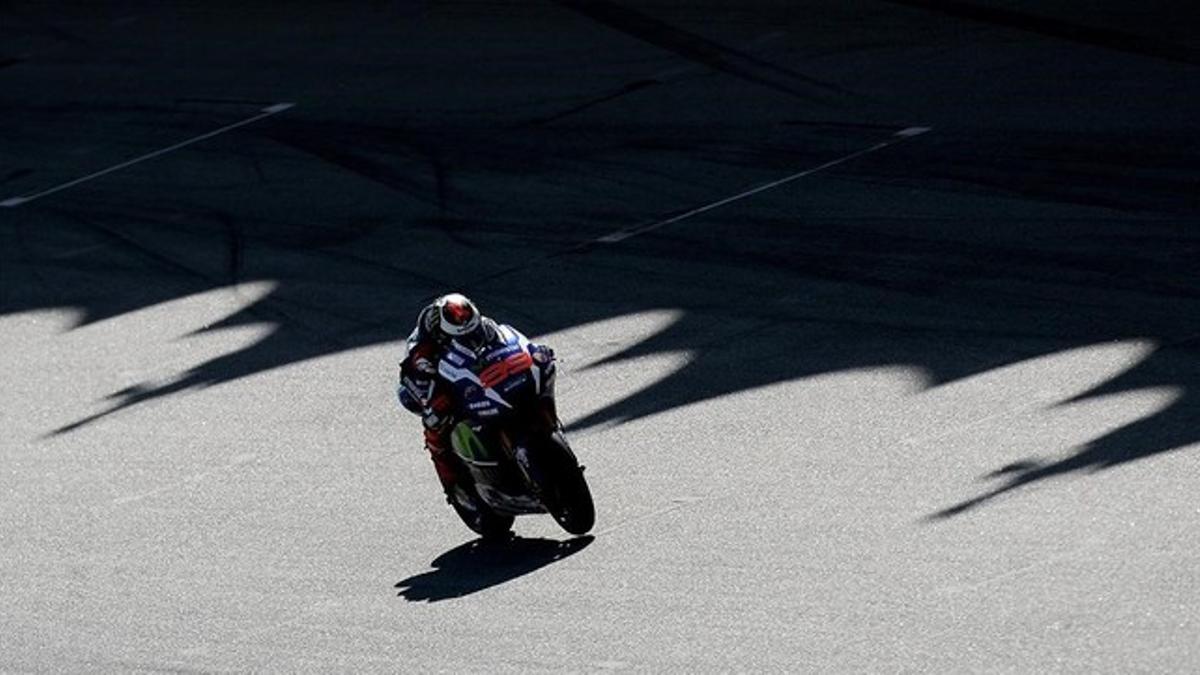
467, 444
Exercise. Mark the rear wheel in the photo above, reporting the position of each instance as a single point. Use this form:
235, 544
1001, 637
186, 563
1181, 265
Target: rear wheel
475, 514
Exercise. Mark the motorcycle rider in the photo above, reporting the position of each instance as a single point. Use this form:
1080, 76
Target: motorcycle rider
450, 318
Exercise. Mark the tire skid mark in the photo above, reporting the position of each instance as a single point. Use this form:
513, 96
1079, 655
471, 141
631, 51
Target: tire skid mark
295, 136
703, 51
1057, 28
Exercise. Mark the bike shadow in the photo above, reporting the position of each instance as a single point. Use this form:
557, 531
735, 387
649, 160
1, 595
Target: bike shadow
480, 564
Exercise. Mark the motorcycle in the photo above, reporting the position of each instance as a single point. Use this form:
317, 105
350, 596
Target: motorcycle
510, 440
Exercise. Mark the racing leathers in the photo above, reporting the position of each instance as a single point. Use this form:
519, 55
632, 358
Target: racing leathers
422, 393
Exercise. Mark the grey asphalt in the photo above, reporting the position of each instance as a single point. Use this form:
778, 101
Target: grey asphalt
929, 404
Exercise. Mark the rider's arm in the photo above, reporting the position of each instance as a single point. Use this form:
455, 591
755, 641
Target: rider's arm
418, 372
418, 368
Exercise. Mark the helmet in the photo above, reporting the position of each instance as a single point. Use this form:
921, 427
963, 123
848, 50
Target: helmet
460, 319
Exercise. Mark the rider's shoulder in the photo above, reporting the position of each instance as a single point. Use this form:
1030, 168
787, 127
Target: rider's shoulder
508, 332
427, 323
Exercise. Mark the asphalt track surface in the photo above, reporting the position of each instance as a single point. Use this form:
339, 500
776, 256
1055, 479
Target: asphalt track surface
924, 402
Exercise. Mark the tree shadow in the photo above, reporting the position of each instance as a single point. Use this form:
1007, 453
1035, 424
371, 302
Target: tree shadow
481, 564
1168, 429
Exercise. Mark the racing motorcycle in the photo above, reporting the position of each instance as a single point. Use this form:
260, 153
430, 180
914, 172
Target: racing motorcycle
510, 439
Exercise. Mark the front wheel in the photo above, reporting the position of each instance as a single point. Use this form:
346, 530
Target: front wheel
575, 511
475, 514
563, 488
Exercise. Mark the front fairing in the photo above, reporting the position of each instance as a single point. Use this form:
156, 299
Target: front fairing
497, 391
493, 381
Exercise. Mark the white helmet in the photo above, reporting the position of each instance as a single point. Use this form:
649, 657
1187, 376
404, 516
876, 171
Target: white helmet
457, 315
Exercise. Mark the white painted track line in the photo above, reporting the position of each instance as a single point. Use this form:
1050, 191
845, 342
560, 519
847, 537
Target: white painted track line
266, 112
621, 235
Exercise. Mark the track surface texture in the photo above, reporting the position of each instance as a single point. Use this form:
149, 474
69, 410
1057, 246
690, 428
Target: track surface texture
926, 402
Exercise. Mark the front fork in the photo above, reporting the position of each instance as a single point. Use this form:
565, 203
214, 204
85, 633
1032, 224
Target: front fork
542, 422
545, 423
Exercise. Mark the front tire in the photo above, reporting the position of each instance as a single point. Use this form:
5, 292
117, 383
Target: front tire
563, 488
575, 512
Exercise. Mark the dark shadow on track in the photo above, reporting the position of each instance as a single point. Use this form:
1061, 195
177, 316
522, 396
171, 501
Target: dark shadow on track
1030, 230
481, 564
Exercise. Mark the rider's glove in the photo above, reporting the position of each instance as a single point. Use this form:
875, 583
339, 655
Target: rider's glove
542, 354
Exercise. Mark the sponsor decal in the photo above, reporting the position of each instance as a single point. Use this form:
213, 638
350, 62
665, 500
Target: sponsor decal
498, 372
